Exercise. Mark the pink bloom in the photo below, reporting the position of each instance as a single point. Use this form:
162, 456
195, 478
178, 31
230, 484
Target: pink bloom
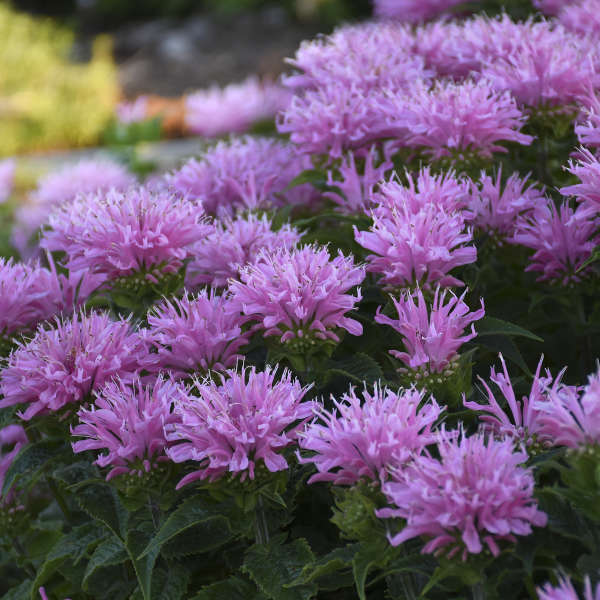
588, 129
356, 185
368, 56
365, 438
570, 419
413, 11
234, 425
457, 120
563, 239
419, 247
549, 7
235, 108
496, 210
587, 170
62, 186
65, 364
522, 422
476, 493
12, 439
122, 234
196, 333
566, 591
300, 294
132, 112
431, 337
234, 243
243, 174
7, 176
128, 420
581, 17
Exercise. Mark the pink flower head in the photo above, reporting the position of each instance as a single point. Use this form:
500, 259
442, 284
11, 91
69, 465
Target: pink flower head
496, 210
128, 420
300, 294
245, 173
234, 425
569, 418
522, 422
65, 364
457, 120
233, 244
413, 11
542, 72
433, 336
12, 439
549, 7
132, 112
476, 493
7, 177
62, 186
365, 438
581, 17
587, 170
588, 128
122, 234
356, 185
444, 191
420, 247
566, 591
368, 56
563, 239
196, 333
235, 108
337, 117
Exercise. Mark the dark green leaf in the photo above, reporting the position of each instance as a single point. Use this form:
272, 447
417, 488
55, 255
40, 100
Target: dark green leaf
101, 502
275, 566
233, 588
312, 176
360, 368
8, 415
507, 347
595, 257
492, 326
137, 540
23, 590
109, 552
171, 584
192, 513
367, 557
340, 558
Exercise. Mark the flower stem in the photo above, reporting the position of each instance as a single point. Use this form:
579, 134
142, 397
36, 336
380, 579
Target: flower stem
260, 522
478, 591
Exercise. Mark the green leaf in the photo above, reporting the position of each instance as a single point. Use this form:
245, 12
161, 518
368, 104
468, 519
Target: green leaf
73, 546
275, 566
192, 512
360, 368
313, 176
507, 347
31, 461
171, 584
367, 557
23, 590
492, 326
109, 552
233, 588
101, 502
137, 540
594, 257
76, 473
8, 415
336, 560
202, 537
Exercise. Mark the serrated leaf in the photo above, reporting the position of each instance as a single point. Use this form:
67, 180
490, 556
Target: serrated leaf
171, 584
23, 590
506, 346
190, 513
203, 537
73, 546
275, 566
107, 553
76, 473
233, 588
336, 560
364, 560
31, 461
492, 326
137, 540
101, 502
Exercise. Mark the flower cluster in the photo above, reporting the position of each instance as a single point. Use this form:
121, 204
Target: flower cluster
566, 591
365, 438
64, 364
587, 170
128, 421
476, 493
300, 294
413, 11
235, 108
195, 333
237, 424
431, 337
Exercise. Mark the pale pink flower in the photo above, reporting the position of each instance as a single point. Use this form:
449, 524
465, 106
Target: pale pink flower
566, 591
365, 437
128, 421
237, 423
7, 178
587, 170
549, 7
588, 127
132, 112
195, 333
581, 17
413, 11
477, 492
431, 336
300, 294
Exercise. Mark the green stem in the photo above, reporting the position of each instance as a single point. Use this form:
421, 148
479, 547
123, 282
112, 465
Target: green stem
478, 591
260, 522
59, 498
21, 551
154, 512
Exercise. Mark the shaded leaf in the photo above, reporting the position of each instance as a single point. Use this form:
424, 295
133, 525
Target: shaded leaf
492, 326
233, 588
109, 552
340, 558
101, 502
170, 584
360, 368
23, 590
